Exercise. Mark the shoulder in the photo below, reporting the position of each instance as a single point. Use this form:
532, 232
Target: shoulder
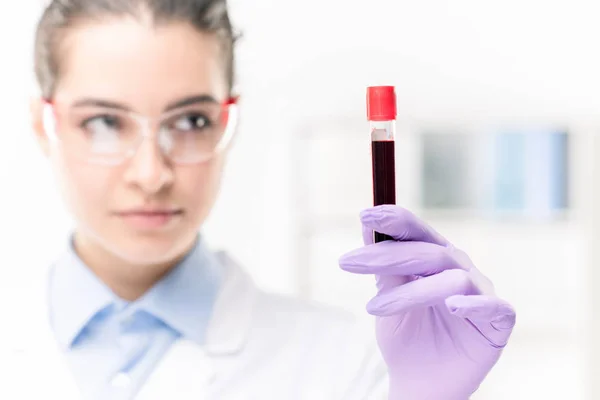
282, 307
330, 342
284, 315
308, 323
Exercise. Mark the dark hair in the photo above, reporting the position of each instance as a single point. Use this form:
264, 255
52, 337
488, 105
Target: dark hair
209, 16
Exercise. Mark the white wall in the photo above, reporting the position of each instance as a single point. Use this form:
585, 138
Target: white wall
450, 60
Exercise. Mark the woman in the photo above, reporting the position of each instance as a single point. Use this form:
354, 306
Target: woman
136, 116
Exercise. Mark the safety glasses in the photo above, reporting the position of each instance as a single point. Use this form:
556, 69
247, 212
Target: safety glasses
109, 136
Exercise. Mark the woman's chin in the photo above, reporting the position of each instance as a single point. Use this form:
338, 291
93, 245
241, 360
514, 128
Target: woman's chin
151, 252
148, 249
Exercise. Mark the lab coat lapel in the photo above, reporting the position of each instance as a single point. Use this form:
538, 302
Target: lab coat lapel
234, 310
185, 370
189, 368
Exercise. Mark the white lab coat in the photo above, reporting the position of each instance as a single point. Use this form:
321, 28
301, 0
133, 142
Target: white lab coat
259, 346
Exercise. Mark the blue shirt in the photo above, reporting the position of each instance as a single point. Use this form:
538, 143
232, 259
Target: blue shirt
112, 345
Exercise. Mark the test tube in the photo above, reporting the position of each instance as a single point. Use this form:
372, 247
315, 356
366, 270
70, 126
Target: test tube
381, 113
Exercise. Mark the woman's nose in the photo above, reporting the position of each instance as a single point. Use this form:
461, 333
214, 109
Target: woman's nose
149, 169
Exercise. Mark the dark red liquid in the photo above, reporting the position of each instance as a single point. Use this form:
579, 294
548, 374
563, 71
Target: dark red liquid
384, 177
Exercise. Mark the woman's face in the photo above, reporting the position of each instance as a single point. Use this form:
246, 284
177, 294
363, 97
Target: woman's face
146, 210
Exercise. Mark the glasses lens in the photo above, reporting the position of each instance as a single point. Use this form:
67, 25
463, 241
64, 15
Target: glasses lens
96, 133
194, 133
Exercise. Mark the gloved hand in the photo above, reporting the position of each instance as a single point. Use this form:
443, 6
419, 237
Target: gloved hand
439, 326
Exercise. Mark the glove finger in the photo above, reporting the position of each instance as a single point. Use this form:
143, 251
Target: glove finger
492, 316
401, 258
385, 283
367, 234
483, 309
400, 224
423, 292
382, 282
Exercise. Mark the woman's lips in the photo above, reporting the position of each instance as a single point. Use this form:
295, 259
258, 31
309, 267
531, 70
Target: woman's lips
149, 220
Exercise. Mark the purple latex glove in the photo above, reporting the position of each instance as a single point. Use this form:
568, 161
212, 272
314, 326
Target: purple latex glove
440, 327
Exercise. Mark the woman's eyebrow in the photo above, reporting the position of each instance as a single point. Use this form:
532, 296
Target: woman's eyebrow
88, 101
188, 101
97, 102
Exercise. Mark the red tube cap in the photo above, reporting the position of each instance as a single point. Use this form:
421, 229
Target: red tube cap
381, 103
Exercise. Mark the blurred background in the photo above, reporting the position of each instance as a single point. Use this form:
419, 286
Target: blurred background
499, 116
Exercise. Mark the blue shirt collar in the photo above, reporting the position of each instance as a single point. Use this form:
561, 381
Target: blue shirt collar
183, 299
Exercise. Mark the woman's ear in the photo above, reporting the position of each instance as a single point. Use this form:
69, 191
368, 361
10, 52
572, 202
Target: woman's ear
36, 109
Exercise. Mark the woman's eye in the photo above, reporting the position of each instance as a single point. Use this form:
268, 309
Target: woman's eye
101, 124
191, 123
